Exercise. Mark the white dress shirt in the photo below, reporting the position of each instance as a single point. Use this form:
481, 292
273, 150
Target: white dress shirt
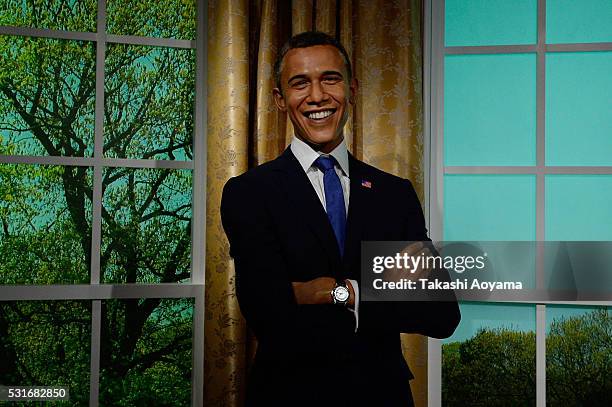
306, 157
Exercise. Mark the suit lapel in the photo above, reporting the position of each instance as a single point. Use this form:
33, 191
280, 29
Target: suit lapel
357, 212
306, 203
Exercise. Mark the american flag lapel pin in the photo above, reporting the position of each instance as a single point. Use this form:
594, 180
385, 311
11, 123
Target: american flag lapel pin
366, 184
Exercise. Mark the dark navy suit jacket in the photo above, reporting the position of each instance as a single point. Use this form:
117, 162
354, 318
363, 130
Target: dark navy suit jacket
310, 354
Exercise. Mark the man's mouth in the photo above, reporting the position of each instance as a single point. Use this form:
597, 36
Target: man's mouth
320, 114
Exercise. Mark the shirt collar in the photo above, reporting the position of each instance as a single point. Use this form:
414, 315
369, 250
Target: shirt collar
307, 156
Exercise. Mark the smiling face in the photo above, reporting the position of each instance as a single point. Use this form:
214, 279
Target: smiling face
316, 92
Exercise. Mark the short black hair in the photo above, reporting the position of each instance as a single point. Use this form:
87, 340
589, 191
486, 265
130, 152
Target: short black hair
305, 40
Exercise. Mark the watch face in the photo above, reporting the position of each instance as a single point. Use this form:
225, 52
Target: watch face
341, 294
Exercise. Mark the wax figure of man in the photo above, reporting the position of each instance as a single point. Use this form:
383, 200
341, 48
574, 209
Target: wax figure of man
295, 227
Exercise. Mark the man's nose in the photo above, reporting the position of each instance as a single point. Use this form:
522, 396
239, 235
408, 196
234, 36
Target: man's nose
317, 93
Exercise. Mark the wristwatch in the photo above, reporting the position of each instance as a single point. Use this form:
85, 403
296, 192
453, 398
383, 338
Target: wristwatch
340, 294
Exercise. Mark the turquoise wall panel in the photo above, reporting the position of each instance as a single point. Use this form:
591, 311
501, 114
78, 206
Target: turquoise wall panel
579, 207
490, 22
573, 21
579, 108
489, 207
490, 110
476, 316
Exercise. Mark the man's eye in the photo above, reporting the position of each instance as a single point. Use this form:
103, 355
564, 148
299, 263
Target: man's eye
332, 79
299, 84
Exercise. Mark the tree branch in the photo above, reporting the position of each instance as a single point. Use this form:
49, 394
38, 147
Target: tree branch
40, 135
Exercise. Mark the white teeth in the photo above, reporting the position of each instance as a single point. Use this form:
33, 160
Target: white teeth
320, 115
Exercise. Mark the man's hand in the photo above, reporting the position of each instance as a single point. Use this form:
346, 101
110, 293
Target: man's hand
318, 291
422, 271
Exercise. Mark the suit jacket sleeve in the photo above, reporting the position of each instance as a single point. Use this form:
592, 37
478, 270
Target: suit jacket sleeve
264, 293
437, 319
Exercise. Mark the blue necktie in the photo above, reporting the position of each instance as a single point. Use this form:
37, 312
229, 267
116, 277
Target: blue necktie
334, 198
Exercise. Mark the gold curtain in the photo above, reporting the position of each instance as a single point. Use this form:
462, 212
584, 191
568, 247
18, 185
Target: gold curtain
383, 39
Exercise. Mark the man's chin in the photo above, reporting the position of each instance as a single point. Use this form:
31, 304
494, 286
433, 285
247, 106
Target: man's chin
321, 142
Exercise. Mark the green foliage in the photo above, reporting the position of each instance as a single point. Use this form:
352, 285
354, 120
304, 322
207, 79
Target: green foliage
47, 96
494, 368
146, 361
69, 15
39, 242
145, 356
149, 96
148, 225
47, 103
497, 368
46, 344
579, 360
151, 18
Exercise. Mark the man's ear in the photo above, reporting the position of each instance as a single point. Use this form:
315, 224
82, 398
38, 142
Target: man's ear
354, 86
279, 100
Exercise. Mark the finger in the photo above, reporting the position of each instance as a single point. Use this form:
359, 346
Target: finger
413, 248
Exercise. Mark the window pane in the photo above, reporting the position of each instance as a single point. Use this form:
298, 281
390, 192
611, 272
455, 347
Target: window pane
490, 22
46, 224
490, 359
571, 21
146, 225
489, 207
146, 352
48, 96
149, 102
490, 109
578, 356
152, 18
47, 343
578, 108
578, 207
68, 15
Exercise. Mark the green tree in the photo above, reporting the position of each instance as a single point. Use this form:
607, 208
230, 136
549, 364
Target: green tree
579, 360
493, 368
151, 365
497, 368
46, 343
47, 103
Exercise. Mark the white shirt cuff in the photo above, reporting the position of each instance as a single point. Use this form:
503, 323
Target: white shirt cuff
356, 309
